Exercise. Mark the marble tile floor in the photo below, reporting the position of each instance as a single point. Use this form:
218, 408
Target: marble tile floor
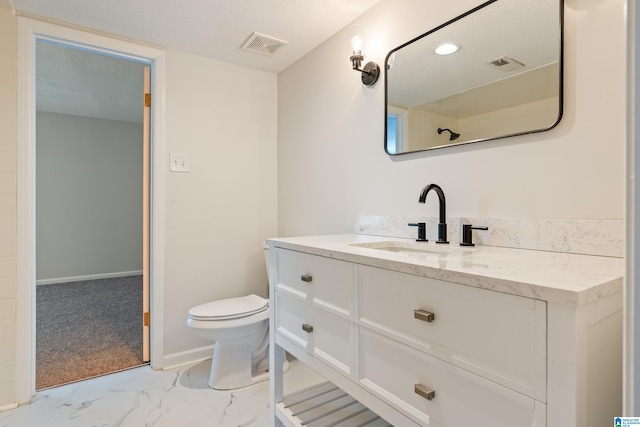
142, 397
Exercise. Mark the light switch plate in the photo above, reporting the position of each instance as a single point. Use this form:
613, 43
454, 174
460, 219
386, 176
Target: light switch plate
179, 162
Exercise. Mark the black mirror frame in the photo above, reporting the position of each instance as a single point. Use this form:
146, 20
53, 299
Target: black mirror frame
457, 18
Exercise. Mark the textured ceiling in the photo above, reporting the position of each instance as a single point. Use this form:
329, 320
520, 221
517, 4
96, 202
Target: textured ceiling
527, 31
210, 28
72, 81
81, 83
218, 29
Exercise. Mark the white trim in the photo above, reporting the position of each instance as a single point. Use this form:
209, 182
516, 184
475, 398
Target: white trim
8, 407
631, 338
627, 327
58, 280
187, 357
631, 308
157, 211
30, 30
25, 324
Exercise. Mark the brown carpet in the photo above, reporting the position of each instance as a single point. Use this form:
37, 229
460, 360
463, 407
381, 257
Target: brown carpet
86, 329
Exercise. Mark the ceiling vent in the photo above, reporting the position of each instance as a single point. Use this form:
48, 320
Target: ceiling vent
506, 64
264, 45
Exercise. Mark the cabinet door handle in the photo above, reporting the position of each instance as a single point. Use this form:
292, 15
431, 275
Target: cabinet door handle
424, 315
306, 278
423, 391
307, 328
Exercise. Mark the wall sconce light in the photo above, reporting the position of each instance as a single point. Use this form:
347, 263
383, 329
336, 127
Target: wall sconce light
453, 136
371, 70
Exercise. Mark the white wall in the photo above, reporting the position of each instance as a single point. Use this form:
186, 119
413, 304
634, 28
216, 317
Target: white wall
88, 196
8, 248
217, 215
534, 115
423, 129
331, 163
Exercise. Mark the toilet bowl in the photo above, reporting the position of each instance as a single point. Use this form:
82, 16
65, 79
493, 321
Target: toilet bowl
240, 329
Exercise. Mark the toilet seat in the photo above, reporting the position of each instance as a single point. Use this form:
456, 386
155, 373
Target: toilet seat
229, 309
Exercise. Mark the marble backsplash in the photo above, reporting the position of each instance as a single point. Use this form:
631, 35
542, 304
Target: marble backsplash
588, 237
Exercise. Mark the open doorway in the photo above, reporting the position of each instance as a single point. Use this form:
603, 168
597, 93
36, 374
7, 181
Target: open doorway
29, 32
92, 215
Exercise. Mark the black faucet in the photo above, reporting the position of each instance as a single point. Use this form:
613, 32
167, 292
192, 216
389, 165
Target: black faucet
422, 231
442, 226
467, 237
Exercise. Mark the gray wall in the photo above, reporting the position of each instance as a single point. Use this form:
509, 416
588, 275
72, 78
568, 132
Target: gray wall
88, 196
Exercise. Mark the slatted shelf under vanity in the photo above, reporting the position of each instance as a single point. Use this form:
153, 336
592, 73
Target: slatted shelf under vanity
325, 405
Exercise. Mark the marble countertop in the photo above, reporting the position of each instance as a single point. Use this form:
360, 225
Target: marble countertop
550, 276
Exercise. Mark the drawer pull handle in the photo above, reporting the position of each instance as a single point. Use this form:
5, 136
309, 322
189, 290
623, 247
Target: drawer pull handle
306, 278
424, 392
427, 316
307, 328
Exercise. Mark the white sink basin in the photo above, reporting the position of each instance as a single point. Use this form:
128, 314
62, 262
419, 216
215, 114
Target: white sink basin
415, 248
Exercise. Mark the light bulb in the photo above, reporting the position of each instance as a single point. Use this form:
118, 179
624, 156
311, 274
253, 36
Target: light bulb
357, 43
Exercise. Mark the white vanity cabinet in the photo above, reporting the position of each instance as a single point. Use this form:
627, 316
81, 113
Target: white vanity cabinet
482, 354
424, 351
498, 336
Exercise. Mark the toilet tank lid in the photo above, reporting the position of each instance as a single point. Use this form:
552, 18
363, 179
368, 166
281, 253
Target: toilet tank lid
230, 307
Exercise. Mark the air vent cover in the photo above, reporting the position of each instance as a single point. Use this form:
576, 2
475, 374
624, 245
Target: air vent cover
506, 64
264, 45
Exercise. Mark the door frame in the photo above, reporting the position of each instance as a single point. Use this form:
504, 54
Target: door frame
29, 31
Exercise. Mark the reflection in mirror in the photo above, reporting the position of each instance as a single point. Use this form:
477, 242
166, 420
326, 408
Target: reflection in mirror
499, 75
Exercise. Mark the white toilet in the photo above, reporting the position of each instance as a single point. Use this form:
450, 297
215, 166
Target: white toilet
240, 329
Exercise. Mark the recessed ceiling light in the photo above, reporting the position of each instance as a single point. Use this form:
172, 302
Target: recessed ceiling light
447, 49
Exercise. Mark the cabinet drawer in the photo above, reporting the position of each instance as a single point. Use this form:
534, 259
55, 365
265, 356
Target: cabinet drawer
501, 337
325, 282
392, 370
326, 336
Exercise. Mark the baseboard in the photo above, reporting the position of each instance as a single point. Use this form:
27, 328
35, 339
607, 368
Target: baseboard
88, 277
181, 358
8, 407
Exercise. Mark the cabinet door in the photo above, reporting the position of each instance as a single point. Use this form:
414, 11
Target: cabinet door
326, 336
437, 393
325, 282
498, 336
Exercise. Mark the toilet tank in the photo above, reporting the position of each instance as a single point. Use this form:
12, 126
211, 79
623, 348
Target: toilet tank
265, 249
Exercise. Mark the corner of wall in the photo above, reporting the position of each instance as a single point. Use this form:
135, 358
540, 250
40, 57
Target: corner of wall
8, 211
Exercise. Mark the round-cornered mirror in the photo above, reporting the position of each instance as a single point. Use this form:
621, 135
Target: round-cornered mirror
492, 72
